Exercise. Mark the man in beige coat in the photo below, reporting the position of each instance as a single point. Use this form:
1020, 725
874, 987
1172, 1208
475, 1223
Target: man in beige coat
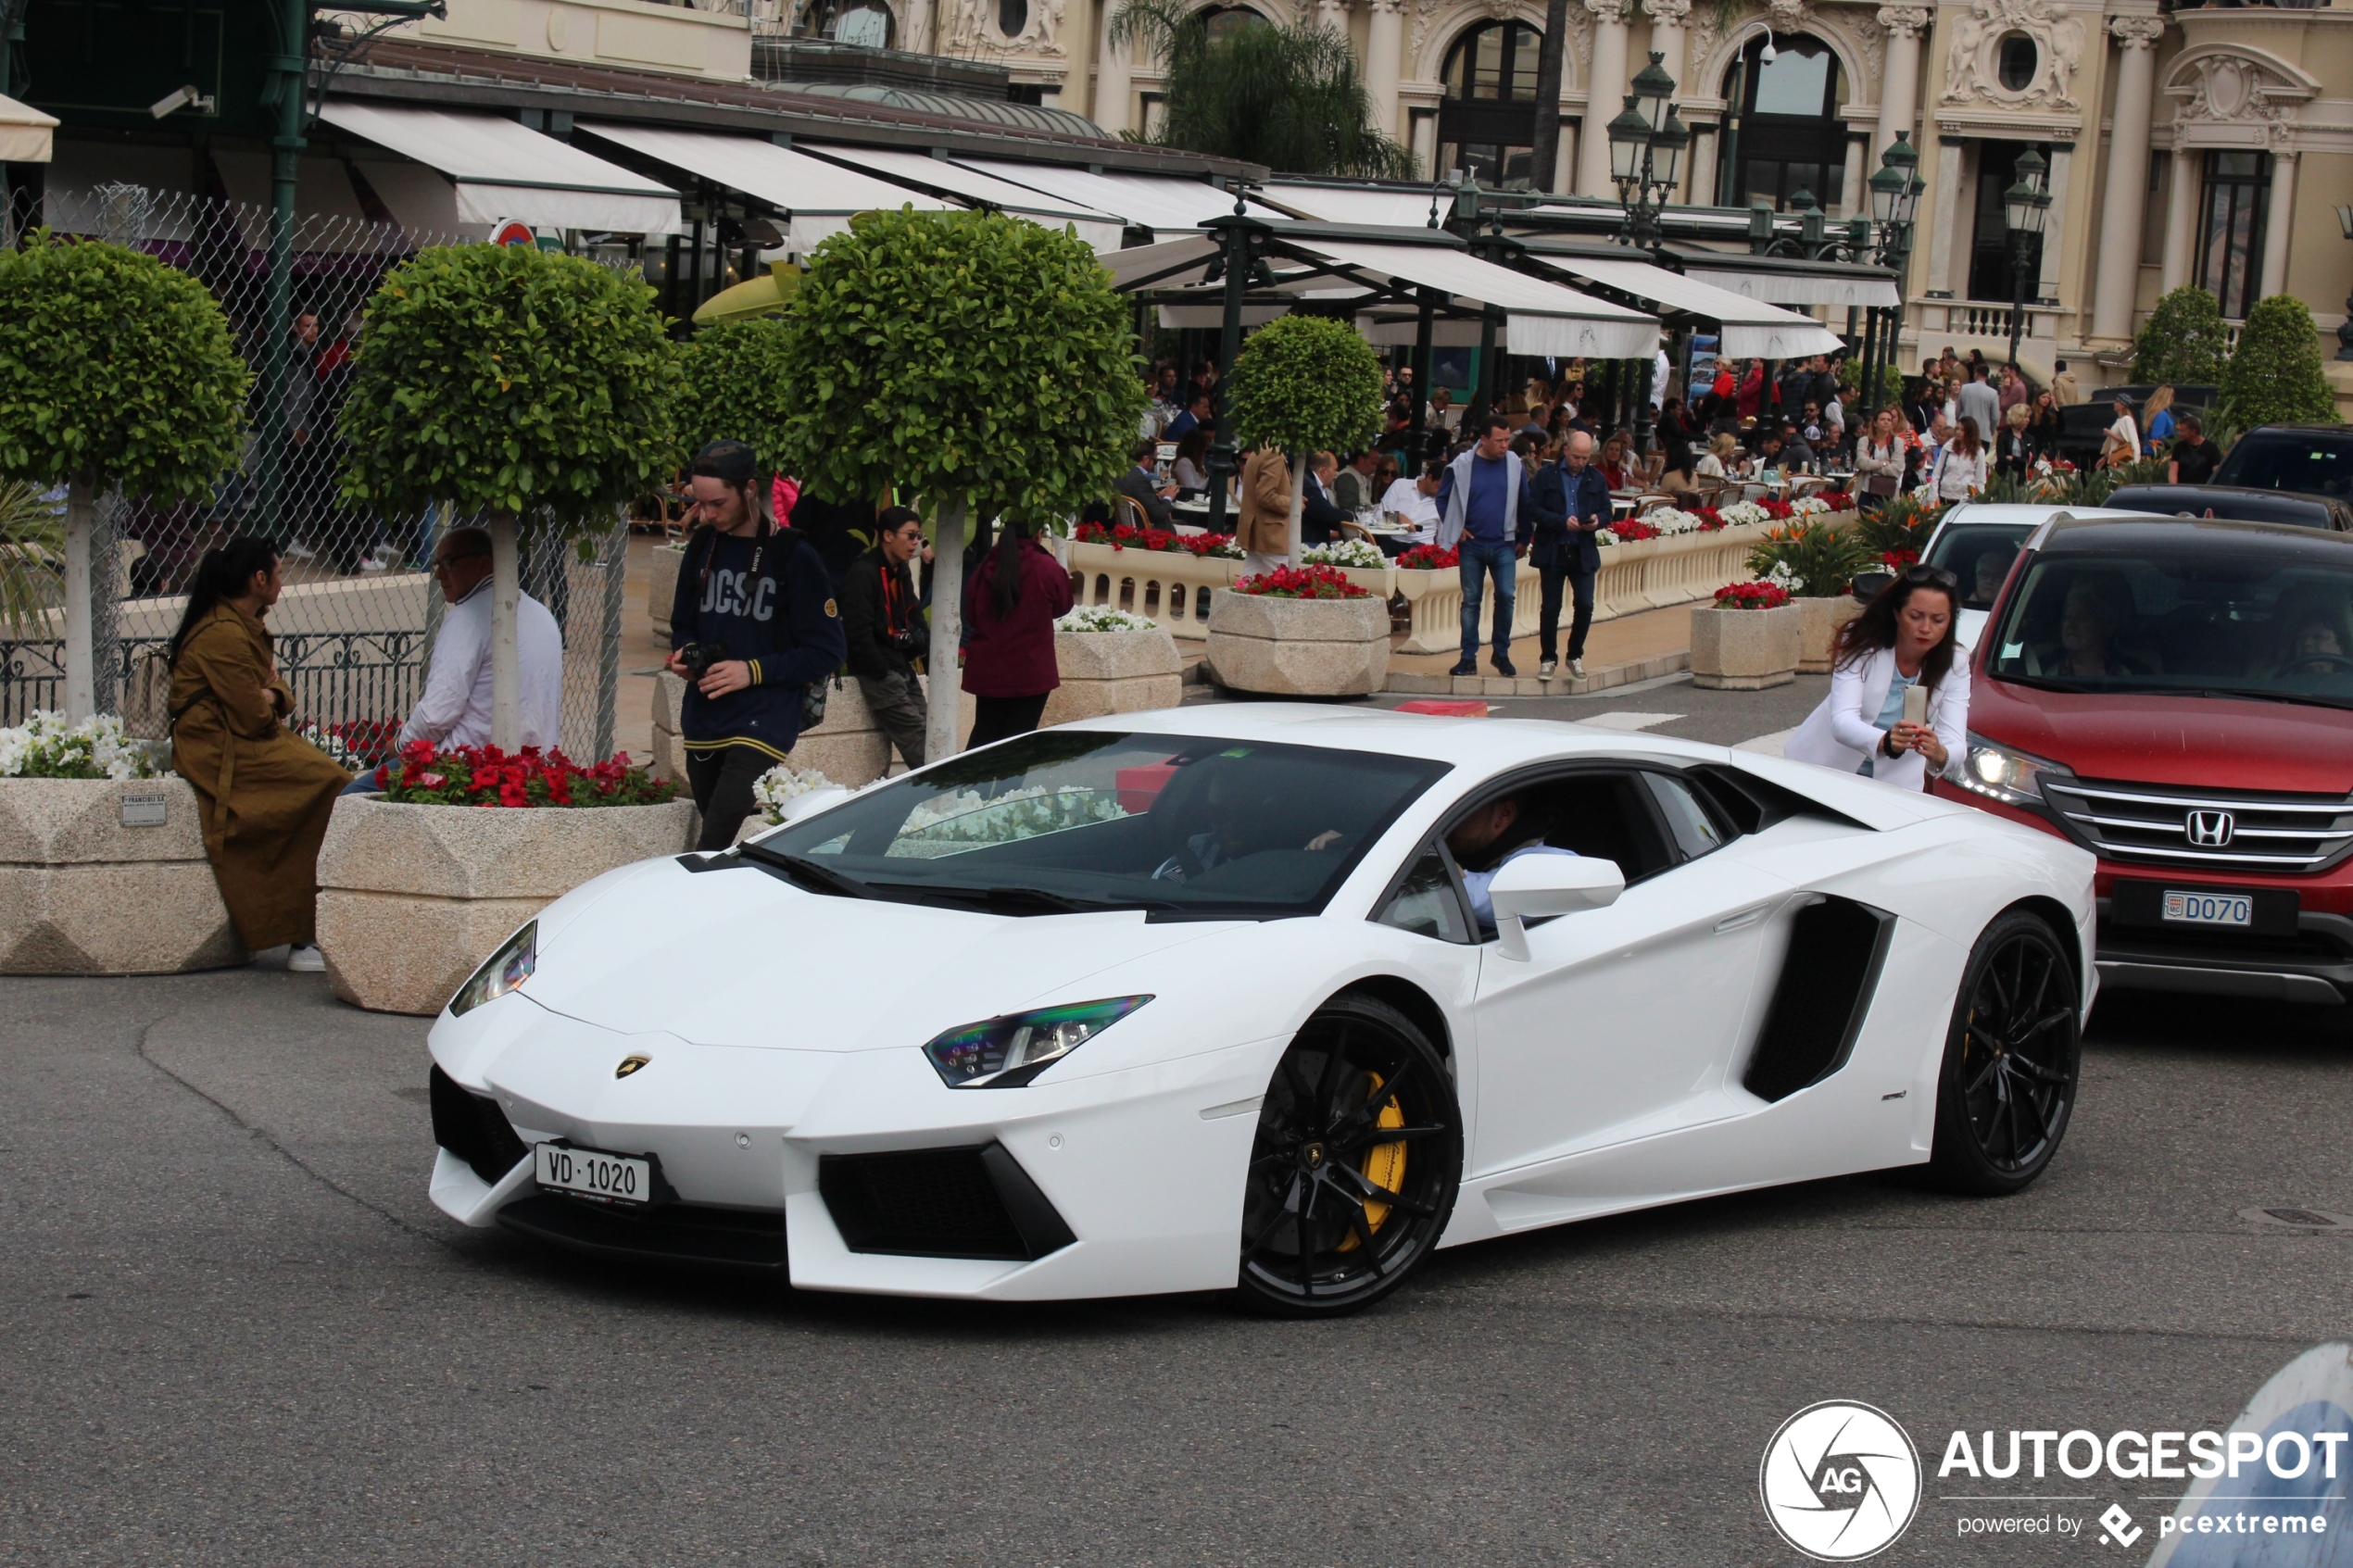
1262, 525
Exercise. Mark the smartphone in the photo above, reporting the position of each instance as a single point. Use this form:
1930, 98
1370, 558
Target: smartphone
1916, 705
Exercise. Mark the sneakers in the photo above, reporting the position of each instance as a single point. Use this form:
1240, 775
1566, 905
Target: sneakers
1503, 667
303, 958
1544, 669
1576, 669
1467, 667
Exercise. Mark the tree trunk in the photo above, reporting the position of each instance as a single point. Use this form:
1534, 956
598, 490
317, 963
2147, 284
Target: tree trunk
1546, 157
1298, 497
82, 664
506, 601
945, 681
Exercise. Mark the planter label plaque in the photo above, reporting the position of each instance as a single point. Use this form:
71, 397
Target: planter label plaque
144, 807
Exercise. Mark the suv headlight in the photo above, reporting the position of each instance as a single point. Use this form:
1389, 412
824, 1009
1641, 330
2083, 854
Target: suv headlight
1005, 1053
2007, 774
501, 973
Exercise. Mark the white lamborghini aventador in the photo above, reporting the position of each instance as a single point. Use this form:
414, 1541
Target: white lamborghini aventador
1267, 998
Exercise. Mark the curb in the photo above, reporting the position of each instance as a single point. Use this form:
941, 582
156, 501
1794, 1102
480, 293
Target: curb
1600, 680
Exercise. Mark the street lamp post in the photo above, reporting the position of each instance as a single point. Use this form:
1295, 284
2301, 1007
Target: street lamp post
2025, 207
1646, 147
1896, 194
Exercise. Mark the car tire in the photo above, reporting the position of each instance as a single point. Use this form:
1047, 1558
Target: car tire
2007, 1088
1352, 1174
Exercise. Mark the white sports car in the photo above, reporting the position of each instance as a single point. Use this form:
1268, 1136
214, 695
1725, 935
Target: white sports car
1264, 999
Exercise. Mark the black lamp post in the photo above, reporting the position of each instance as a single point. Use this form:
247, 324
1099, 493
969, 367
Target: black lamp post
2025, 207
1646, 147
1896, 194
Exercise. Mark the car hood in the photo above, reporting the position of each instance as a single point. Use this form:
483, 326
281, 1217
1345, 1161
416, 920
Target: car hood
736, 957
2209, 743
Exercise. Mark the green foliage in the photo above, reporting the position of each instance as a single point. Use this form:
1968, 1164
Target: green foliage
1850, 381
959, 356
738, 387
1905, 523
114, 368
1306, 384
2275, 376
2092, 487
1819, 561
511, 380
32, 541
2183, 342
1287, 95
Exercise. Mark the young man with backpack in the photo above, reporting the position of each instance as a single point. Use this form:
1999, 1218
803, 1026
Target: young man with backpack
753, 627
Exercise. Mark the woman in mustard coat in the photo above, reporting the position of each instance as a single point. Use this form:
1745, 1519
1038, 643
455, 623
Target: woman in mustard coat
266, 792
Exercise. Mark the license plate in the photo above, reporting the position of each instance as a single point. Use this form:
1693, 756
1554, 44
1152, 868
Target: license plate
2209, 908
610, 1178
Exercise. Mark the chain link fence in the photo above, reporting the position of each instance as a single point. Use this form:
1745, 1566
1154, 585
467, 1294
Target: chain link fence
354, 631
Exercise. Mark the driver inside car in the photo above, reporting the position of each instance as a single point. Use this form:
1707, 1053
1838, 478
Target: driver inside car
1490, 838
1244, 817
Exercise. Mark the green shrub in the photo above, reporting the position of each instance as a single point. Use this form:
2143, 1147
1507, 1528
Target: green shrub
737, 387
1306, 384
2276, 377
1817, 561
1905, 523
2183, 343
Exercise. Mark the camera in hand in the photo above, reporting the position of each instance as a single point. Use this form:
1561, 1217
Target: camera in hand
699, 657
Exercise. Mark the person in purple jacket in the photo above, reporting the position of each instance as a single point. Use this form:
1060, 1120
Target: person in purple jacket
1011, 606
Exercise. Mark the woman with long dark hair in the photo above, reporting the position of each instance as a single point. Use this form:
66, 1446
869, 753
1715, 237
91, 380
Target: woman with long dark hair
1010, 605
1903, 640
1963, 465
265, 793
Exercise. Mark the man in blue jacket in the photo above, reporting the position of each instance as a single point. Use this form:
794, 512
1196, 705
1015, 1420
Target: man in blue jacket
1572, 504
755, 608
1486, 515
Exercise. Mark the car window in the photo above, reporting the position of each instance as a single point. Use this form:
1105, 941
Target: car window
1426, 901
1980, 554
2311, 461
1694, 827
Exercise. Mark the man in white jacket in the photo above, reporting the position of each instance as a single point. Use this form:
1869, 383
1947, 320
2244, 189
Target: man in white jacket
455, 710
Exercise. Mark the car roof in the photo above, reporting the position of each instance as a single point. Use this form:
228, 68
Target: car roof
2340, 432
2085, 535
2175, 500
1479, 744
2011, 513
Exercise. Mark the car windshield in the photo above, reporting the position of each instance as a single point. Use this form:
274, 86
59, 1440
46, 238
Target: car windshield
1183, 827
1980, 554
2290, 459
2195, 622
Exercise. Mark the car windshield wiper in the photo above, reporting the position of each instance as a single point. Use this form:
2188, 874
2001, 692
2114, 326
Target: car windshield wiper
807, 872
2313, 698
1010, 898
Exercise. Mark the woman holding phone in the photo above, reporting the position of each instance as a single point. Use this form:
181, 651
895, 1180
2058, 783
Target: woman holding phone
1898, 707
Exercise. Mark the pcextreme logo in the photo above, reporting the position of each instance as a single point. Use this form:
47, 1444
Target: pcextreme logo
1840, 1480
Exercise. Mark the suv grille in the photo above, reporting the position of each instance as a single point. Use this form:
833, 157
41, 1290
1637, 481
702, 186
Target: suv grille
2226, 832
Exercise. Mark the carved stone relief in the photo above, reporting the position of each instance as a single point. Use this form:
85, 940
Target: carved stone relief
968, 29
1972, 70
2232, 90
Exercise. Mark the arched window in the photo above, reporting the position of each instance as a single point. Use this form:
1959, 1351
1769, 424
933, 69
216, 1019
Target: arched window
1222, 20
1487, 122
1781, 138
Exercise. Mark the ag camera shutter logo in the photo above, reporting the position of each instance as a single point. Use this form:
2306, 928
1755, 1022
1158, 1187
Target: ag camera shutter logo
1839, 1481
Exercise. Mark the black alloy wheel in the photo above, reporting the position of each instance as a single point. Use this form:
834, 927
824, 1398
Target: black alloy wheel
1352, 1174
2011, 1061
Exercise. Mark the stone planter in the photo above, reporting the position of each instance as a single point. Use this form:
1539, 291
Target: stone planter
1745, 649
411, 898
1823, 618
847, 748
662, 586
83, 892
1164, 585
1434, 608
1113, 672
1299, 648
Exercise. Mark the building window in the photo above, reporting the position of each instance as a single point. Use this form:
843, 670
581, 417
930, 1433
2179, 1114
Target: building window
1989, 268
1781, 138
1012, 17
1487, 121
2015, 61
1221, 20
848, 21
2229, 248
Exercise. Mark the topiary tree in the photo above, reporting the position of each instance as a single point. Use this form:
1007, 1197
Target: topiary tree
114, 369
2183, 343
537, 387
740, 389
1305, 383
2275, 376
978, 362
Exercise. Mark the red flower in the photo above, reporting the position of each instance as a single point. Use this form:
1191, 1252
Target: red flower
1429, 557
1759, 595
487, 776
1899, 559
1631, 530
1301, 582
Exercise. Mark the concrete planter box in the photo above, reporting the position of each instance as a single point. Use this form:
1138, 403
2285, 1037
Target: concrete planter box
847, 748
1434, 608
1745, 649
1823, 618
1164, 585
83, 894
1299, 648
411, 898
661, 585
1113, 672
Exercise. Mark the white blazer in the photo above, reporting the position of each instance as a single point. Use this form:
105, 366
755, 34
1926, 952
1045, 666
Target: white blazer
1845, 729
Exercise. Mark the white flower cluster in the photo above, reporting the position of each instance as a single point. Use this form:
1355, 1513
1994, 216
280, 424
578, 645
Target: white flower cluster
1671, 519
1104, 617
1741, 512
1345, 552
347, 760
1226, 548
782, 783
45, 747
969, 817
1789, 580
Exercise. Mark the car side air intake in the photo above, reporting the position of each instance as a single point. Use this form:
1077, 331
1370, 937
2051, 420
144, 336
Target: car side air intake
472, 1128
940, 1203
1836, 947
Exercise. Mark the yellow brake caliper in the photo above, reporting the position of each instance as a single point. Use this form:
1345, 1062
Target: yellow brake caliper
1384, 1163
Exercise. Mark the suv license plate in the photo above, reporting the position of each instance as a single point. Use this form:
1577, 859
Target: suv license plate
610, 1178
2209, 908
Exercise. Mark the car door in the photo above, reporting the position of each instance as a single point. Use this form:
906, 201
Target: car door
1623, 1021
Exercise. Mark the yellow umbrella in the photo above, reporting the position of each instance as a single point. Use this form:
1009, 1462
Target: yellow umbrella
759, 296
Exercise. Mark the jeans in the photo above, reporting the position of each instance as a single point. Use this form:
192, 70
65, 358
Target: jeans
897, 704
1548, 632
1479, 559
722, 781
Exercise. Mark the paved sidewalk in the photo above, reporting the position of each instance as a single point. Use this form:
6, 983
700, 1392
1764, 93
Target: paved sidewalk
1618, 652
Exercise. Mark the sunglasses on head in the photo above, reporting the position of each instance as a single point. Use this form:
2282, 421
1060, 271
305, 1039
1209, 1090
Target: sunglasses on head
1924, 575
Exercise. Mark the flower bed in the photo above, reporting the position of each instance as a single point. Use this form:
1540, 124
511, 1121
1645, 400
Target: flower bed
1759, 595
484, 775
1160, 541
45, 747
1298, 633
1301, 582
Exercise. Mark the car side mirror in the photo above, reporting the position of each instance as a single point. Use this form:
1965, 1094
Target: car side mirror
1536, 886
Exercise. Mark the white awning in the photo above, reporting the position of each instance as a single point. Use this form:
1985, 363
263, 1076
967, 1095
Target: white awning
820, 199
24, 132
1541, 316
1804, 288
501, 170
1161, 202
1750, 330
1358, 204
1100, 230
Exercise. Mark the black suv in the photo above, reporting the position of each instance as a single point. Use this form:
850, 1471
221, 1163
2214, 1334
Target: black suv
2308, 459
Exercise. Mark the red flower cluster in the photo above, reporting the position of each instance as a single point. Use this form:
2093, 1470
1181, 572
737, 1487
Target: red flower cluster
1777, 510
1710, 519
1628, 530
1301, 582
1837, 500
1751, 596
484, 775
370, 740
1126, 536
1429, 557
1896, 560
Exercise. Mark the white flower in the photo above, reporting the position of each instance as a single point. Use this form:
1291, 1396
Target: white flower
1345, 552
1104, 617
1741, 512
782, 784
1806, 506
1669, 519
45, 747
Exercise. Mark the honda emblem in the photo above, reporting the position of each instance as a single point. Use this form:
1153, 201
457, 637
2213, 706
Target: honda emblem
2209, 830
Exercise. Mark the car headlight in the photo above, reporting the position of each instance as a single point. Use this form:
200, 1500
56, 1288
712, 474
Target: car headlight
2003, 773
1005, 1053
501, 973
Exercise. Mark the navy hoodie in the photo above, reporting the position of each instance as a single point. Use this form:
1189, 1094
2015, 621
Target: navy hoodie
768, 600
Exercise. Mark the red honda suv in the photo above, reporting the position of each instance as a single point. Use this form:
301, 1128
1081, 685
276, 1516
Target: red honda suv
2177, 698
